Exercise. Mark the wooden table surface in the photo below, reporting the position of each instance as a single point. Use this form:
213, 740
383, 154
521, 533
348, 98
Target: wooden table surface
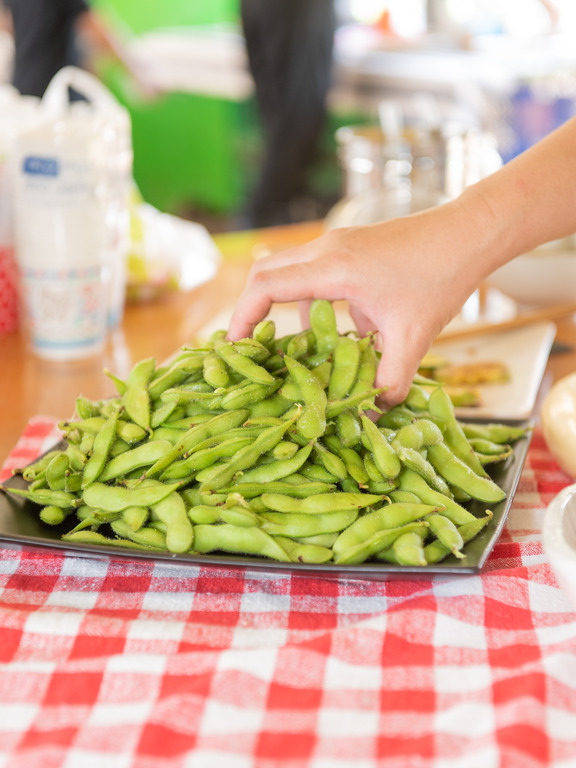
30, 386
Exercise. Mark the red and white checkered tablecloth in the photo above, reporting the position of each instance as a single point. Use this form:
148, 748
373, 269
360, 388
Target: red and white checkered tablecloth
135, 665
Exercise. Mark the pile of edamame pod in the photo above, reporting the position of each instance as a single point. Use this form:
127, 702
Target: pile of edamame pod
268, 447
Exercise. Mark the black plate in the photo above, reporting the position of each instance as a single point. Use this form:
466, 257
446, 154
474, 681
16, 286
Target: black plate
22, 529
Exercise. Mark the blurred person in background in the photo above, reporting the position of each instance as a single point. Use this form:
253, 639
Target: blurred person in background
289, 45
51, 34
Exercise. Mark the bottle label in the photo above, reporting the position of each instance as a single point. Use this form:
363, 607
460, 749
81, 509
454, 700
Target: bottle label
65, 309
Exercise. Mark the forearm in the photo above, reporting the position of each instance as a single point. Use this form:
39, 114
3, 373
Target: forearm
530, 201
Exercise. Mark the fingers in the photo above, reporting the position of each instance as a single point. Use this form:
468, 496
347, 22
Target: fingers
363, 323
269, 284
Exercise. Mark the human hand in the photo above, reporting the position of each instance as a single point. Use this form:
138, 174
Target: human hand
404, 279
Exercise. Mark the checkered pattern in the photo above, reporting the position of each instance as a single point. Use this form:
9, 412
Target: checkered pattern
131, 665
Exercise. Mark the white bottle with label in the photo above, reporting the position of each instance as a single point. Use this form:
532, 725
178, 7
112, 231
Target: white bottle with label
72, 174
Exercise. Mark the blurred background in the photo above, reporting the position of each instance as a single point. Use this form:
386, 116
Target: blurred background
501, 70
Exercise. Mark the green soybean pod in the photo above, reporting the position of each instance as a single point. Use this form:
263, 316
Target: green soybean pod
116, 498
72, 481
253, 490
242, 364
321, 503
414, 483
144, 455
409, 549
253, 349
246, 396
135, 517
388, 517
493, 458
180, 371
179, 531
459, 474
56, 472
284, 450
199, 460
103, 442
397, 417
365, 399
203, 514
323, 372
214, 371
353, 461
277, 469
44, 497
323, 324
301, 344
300, 552
446, 532
237, 540
419, 434
415, 461
417, 398
385, 457
481, 445
312, 421
265, 333
497, 433
317, 474
297, 524
349, 428
129, 432
86, 408
441, 407
367, 367
272, 406
435, 551
344, 368
238, 515
379, 540
331, 461
76, 458
321, 539
196, 434
136, 399
162, 413
52, 515
93, 537
149, 538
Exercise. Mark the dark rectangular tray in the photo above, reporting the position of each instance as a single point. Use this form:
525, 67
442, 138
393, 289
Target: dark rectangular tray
22, 529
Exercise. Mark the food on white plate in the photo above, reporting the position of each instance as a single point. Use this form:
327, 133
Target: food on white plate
461, 380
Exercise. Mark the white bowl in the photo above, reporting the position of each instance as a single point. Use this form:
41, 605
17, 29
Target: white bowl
543, 277
559, 539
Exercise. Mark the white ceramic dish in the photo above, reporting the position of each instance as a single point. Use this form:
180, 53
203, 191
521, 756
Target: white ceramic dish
559, 539
544, 277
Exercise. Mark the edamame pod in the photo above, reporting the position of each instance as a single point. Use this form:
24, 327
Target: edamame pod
115, 498
237, 540
179, 531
